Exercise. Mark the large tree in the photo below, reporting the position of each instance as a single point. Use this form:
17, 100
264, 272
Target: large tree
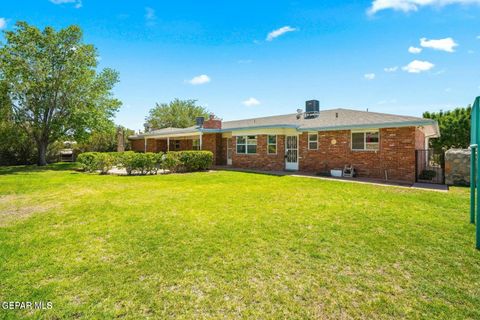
454, 128
178, 113
106, 140
15, 145
53, 87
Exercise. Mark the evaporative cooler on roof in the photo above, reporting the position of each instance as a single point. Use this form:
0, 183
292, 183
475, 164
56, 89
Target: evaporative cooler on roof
312, 109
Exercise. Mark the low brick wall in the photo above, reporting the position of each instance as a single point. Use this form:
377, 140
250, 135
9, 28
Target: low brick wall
457, 167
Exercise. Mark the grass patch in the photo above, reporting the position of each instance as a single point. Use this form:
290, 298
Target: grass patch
232, 245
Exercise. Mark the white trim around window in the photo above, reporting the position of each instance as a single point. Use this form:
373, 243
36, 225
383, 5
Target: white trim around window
271, 144
365, 140
313, 141
246, 144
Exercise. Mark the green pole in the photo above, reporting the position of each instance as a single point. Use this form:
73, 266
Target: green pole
473, 183
476, 126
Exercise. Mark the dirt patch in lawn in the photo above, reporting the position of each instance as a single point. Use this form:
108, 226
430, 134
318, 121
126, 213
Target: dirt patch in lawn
14, 208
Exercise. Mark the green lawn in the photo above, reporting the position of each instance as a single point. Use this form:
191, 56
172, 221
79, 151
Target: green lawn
233, 245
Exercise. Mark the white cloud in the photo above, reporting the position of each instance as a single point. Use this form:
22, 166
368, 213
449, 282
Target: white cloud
478, 37
77, 3
414, 50
277, 33
413, 5
417, 66
3, 23
470, 52
369, 76
201, 79
250, 102
446, 44
390, 69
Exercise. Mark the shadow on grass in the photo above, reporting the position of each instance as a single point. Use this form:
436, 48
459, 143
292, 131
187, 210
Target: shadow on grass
60, 166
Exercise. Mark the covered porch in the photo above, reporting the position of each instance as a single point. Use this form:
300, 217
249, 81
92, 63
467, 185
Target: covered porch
183, 142
174, 139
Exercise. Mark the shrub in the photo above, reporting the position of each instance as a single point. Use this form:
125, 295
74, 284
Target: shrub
126, 161
104, 162
93, 161
187, 161
88, 161
146, 163
171, 162
143, 163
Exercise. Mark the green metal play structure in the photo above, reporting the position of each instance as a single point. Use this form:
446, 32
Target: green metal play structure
474, 168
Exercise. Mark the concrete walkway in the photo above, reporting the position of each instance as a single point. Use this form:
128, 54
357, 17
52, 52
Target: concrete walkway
378, 182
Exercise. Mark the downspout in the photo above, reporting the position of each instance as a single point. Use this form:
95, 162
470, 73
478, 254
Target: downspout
201, 140
168, 144
145, 148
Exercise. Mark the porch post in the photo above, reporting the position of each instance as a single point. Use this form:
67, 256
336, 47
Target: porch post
201, 142
168, 144
145, 147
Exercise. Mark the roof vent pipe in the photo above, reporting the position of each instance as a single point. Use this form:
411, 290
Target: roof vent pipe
299, 113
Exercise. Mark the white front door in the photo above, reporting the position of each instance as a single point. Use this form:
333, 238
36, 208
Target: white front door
291, 152
229, 151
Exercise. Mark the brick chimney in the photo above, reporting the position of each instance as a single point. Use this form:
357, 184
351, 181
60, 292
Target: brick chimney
212, 122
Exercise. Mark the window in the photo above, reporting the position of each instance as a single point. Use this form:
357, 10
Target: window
368, 140
176, 144
247, 144
272, 145
371, 140
312, 141
196, 144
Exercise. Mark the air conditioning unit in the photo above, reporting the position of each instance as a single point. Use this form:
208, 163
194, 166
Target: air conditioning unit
199, 121
312, 109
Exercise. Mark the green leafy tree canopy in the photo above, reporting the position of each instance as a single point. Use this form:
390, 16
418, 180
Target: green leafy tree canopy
54, 89
178, 114
454, 128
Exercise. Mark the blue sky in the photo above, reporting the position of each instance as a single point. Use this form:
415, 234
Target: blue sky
252, 58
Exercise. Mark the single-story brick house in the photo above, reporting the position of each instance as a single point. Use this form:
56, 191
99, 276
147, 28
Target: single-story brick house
378, 145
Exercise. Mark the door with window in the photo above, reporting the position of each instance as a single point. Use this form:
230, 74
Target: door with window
229, 151
291, 152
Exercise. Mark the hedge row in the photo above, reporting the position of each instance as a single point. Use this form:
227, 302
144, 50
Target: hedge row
146, 163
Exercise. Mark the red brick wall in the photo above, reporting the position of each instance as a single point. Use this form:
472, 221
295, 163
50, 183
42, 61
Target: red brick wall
161, 145
261, 160
396, 154
213, 142
419, 140
212, 124
138, 145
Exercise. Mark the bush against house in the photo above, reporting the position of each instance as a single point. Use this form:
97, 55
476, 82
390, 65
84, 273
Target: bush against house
146, 163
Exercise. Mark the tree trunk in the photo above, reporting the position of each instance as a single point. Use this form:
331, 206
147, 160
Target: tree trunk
42, 153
